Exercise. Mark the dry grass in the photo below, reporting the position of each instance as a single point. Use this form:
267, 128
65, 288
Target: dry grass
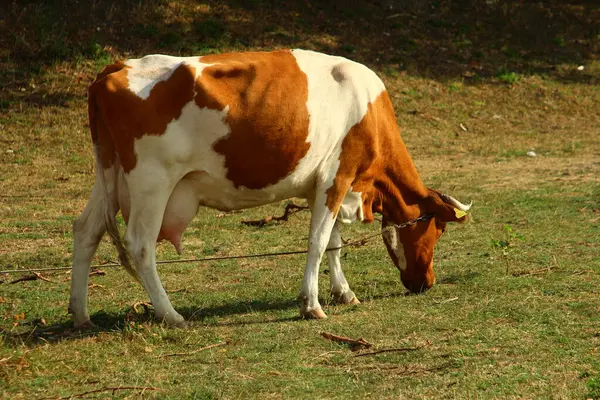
478, 65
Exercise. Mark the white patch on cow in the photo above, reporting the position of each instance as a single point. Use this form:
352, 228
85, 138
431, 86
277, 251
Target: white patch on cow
391, 239
351, 209
339, 92
185, 146
186, 151
146, 72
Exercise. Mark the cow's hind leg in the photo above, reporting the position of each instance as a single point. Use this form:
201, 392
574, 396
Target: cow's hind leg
340, 290
87, 233
147, 209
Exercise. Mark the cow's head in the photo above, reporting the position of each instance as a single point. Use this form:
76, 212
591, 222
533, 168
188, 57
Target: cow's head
411, 248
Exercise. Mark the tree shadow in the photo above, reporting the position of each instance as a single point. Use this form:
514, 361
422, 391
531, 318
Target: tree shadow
35, 331
454, 279
439, 39
236, 308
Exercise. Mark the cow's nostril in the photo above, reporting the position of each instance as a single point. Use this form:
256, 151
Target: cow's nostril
417, 286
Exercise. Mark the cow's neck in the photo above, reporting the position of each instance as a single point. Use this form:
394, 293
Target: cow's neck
401, 190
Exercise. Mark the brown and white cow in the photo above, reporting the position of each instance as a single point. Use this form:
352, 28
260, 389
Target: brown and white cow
240, 130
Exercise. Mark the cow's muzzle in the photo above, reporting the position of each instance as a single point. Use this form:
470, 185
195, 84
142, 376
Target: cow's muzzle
417, 286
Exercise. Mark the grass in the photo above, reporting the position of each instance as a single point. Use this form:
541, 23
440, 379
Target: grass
515, 311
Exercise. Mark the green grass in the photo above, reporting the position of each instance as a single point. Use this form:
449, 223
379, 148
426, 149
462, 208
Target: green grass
514, 313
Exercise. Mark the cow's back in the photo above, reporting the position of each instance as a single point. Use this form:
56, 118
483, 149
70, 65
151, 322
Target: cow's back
249, 128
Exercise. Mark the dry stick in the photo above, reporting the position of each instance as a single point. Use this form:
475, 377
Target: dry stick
95, 285
104, 389
290, 209
354, 343
184, 290
447, 300
39, 276
388, 351
31, 277
210, 346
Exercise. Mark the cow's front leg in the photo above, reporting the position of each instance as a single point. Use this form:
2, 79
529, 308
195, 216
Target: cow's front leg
340, 290
321, 224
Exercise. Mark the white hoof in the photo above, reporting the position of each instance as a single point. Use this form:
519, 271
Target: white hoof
345, 298
175, 320
316, 313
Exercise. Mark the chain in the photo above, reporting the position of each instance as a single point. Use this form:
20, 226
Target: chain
424, 217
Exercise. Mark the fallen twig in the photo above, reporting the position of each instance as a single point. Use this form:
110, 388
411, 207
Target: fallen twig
99, 272
535, 271
355, 344
31, 277
210, 346
389, 351
105, 389
290, 209
182, 290
95, 285
447, 300
39, 276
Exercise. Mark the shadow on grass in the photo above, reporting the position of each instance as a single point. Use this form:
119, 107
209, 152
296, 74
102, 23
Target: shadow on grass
35, 332
441, 39
453, 279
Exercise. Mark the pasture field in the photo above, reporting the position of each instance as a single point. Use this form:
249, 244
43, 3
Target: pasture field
515, 313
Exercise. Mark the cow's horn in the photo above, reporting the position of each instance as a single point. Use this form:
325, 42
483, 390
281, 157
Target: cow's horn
451, 200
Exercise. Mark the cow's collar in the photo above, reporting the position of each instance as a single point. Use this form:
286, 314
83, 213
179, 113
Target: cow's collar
424, 217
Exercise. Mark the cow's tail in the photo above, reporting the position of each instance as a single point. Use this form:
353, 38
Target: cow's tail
107, 178
111, 224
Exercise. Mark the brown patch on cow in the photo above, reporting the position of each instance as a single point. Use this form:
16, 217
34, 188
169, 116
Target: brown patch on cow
98, 128
118, 116
375, 162
266, 94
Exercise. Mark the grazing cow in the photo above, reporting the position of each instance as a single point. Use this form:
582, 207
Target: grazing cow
240, 130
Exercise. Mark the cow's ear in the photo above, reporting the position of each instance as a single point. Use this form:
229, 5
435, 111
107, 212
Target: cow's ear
371, 204
447, 208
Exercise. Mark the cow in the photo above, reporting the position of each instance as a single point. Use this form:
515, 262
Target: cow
240, 130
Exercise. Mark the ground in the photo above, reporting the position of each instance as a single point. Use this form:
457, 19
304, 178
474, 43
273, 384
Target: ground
499, 103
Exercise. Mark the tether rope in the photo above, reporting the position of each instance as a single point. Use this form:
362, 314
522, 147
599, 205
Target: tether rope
355, 243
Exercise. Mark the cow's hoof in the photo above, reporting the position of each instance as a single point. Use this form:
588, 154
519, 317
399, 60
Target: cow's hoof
354, 301
173, 319
87, 324
316, 313
345, 298
181, 325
